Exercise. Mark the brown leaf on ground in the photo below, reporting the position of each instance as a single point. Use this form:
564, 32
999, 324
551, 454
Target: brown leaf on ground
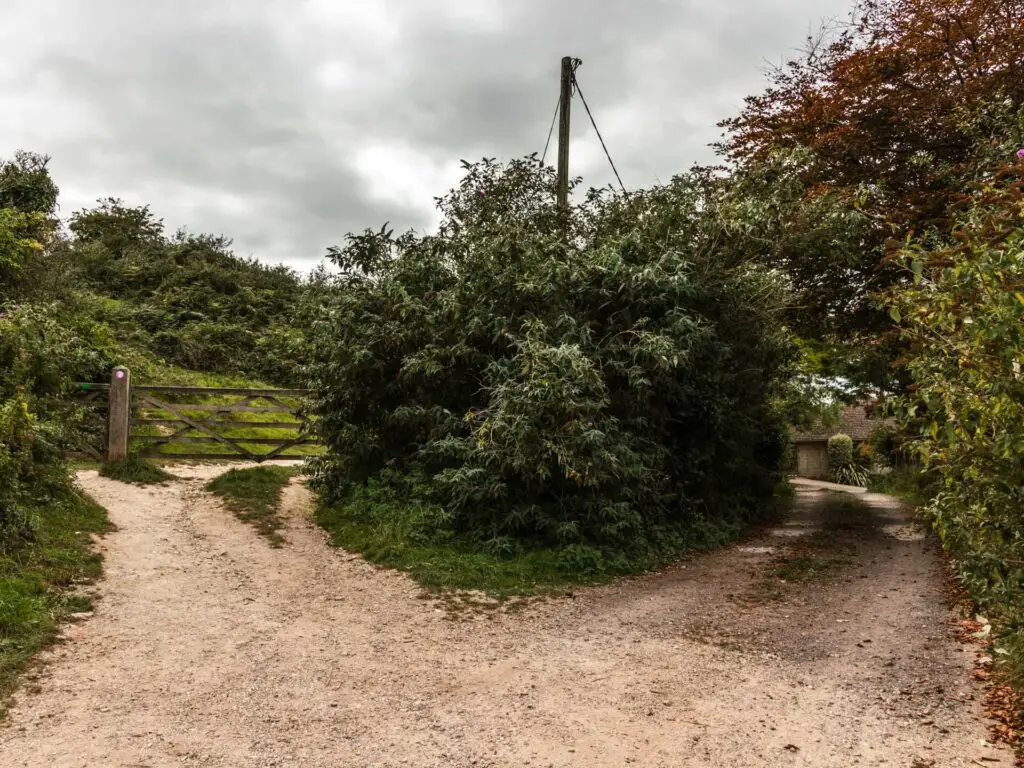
1003, 707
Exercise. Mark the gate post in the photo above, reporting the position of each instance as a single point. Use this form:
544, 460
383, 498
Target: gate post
118, 418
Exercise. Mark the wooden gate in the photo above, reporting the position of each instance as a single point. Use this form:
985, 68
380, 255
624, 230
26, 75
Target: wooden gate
170, 422
90, 438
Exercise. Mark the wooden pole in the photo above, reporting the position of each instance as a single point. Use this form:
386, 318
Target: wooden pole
563, 135
119, 414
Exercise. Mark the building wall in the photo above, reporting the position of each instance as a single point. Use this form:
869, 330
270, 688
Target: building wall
812, 460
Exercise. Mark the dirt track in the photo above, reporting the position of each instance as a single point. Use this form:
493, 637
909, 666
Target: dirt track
209, 648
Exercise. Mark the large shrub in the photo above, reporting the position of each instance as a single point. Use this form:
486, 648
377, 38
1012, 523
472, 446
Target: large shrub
890, 116
840, 450
843, 466
616, 388
39, 358
964, 317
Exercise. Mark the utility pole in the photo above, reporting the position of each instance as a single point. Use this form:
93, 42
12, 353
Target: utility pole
563, 136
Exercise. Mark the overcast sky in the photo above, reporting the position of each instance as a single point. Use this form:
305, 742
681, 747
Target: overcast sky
285, 124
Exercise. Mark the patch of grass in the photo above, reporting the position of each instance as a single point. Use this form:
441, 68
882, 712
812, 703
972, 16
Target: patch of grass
135, 470
77, 464
35, 579
842, 503
797, 568
254, 495
175, 376
398, 533
908, 484
456, 566
806, 563
817, 557
784, 491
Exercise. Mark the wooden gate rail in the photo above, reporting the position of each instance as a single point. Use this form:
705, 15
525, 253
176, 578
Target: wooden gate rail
93, 389
253, 393
192, 424
91, 441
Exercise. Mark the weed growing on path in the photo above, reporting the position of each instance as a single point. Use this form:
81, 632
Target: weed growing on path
254, 495
135, 470
818, 556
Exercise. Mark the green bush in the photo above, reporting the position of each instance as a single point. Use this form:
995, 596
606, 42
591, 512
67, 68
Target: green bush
909, 482
844, 468
840, 450
851, 474
891, 447
963, 315
613, 391
39, 356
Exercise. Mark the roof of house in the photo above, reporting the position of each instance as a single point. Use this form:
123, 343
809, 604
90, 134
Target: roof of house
853, 421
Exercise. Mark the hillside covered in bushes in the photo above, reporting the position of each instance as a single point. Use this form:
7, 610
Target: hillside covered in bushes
112, 288
109, 289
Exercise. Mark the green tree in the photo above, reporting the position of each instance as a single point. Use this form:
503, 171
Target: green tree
28, 200
119, 228
18, 246
26, 186
963, 321
871, 134
616, 389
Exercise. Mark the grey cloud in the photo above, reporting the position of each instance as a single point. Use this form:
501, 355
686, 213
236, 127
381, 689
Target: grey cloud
213, 112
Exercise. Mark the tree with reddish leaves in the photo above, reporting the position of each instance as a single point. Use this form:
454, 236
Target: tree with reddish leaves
892, 115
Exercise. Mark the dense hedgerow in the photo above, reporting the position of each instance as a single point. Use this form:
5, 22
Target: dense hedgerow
39, 356
964, 321
617, 392
36, 353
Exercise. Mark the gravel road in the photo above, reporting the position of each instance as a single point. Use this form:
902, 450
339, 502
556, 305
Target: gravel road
210, 648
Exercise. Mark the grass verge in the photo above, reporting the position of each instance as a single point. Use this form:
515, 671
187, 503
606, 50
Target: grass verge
36, 579
446, 567
135, 470
908, 484
254, 495
395, 533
